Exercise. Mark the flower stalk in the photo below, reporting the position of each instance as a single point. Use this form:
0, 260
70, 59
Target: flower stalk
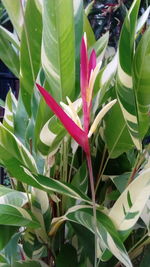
88, 73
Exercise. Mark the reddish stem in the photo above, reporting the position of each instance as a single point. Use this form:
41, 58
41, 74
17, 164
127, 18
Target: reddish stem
89, 163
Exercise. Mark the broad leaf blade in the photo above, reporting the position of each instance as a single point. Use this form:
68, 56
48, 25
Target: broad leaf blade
131, 203
15, 216
125, 90
15, 14
141, 82
116, 133
58, 49
12, 197
14, 149
107, 234
30, 51
9, 55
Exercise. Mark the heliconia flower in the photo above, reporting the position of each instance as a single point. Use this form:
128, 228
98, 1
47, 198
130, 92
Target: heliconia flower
73, 129
88, 73
70, 118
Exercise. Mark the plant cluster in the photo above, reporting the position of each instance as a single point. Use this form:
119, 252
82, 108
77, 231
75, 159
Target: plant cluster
75, 142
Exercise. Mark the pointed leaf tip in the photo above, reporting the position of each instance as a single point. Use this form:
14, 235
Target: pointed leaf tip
92, 62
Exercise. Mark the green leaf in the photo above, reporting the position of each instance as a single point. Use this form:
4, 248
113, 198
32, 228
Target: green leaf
20, 120
107, 235
9, 55
89, 32
51, 136
11, 148
10, 108
141, 82
30, 51
142, 20
9, 37
100, 46
6, 233
41, 112
29, 263
116, 133
79, 180
78, 24
47, 184
124, 88
15, 14
67, 257
2, 259
121, 181
85, 238
15, 216
146, 258
2, 103
133, 199
58, 49
11, 250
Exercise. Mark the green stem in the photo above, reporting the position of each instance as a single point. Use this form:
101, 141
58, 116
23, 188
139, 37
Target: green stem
140, 242
134, 170
70, 171
89, 163
99, 179
102, 161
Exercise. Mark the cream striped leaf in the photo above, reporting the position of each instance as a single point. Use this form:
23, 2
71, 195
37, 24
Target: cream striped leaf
44, 183
125, 90
11, 37
10, 109
131, 203
141, 74
13, 197
107, 234
58, 47
51, 135
11, 147
9, 55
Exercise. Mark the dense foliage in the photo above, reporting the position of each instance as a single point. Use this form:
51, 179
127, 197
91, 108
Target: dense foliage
79, 167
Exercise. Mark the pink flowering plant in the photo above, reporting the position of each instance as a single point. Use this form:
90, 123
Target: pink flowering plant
74, 141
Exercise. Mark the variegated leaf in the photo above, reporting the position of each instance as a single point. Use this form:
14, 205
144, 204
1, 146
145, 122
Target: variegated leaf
10, 109
125, 89
142, 20
107, 235
30, 51
131, 203
9, 55
16, 216
58, 50
11, 37
51, 135
141, 74
23, 174
15, 14
12, 197
11, 148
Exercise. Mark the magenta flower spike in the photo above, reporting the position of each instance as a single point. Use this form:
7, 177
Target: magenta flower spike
87, 67
88, 73
76, 132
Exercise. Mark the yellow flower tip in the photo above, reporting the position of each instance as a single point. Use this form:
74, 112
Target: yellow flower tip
92, 79
100, 116
74, 115
85, 39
